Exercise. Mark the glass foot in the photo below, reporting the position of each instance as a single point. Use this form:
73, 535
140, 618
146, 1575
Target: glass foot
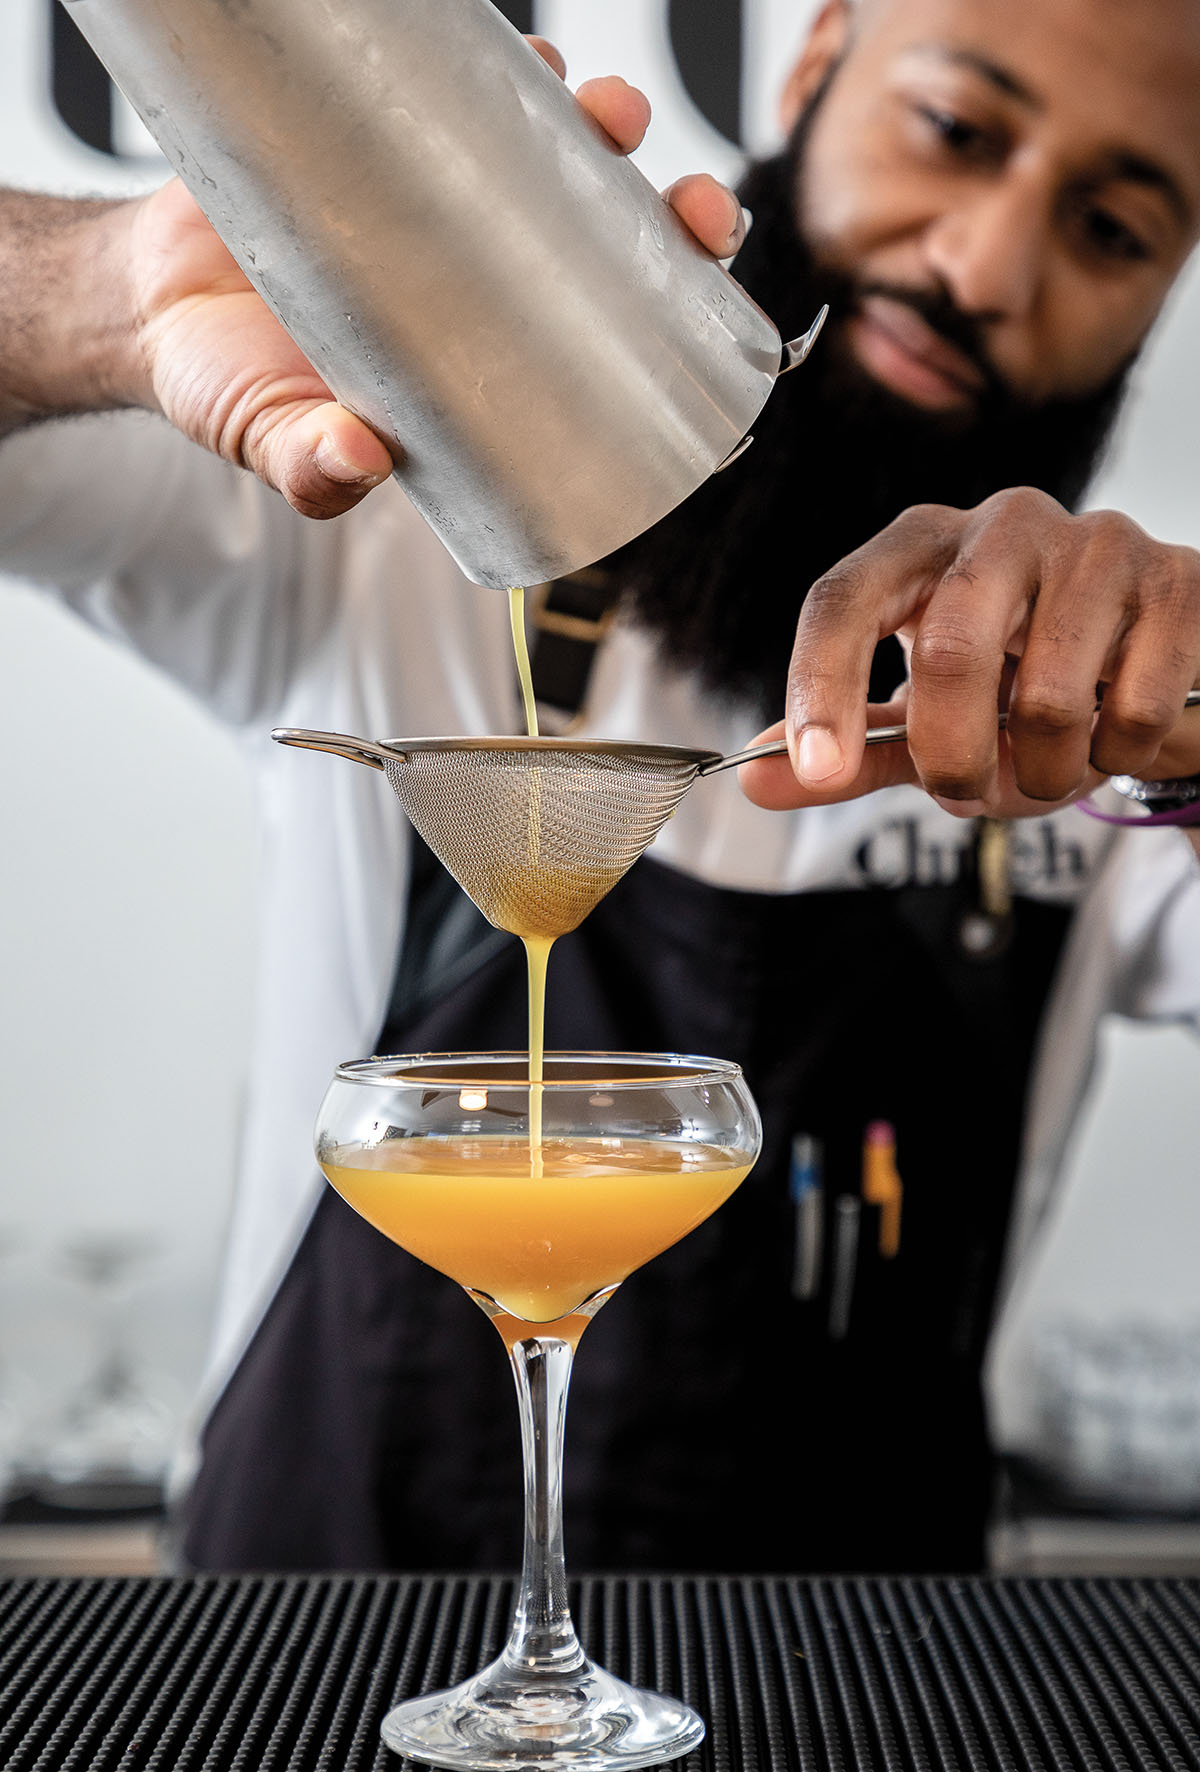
507, 1718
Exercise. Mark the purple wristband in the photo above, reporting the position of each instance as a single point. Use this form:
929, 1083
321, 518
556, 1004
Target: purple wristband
1180, 815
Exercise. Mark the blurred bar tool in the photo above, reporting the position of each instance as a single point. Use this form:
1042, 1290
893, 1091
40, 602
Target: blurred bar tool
847, 1212
806, 1188
881, 1184
469, 262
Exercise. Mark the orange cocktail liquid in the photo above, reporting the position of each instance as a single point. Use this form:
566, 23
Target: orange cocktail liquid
539, 1245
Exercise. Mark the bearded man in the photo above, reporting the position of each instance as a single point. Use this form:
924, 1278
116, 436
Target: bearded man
995, 200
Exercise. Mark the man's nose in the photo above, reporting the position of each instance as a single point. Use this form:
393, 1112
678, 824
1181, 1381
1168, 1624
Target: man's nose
989, 250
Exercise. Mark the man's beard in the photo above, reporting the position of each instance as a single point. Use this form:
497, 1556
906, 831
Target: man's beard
835, 458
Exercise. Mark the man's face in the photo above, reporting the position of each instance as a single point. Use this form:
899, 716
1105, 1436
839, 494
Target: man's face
994, 197
1032, 164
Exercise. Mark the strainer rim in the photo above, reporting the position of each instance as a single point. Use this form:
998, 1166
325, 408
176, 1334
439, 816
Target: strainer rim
667, 753
694, 1068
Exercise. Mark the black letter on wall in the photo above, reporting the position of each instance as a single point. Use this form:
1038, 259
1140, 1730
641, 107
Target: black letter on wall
706, 36
81, 89
517, 12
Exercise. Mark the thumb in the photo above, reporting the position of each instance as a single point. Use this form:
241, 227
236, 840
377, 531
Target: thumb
773, 782
320, 456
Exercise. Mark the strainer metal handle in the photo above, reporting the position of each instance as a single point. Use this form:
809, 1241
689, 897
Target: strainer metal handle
778, 746
338, 744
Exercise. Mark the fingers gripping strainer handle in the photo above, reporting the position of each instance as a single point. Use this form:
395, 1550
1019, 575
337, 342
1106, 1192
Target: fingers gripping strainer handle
338, 744
877, 735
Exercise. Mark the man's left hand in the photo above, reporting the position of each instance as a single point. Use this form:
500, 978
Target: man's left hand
1015, 605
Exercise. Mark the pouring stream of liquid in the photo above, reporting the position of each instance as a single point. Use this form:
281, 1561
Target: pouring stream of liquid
516, 617
537, 947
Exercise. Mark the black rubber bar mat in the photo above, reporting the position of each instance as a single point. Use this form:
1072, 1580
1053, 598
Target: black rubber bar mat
249, 1673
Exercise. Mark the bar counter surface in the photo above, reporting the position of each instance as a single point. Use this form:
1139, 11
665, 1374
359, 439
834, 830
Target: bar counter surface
294, 1673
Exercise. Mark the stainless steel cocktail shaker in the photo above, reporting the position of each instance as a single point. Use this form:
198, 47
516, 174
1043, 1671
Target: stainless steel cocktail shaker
462, 254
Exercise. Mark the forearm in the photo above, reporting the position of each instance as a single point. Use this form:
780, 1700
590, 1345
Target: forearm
68, 336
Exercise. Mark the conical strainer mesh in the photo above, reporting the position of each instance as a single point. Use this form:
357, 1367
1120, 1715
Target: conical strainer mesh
537, 831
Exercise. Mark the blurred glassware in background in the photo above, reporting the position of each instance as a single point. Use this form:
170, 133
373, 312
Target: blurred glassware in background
12, 1414
1117, 1411
109, 1445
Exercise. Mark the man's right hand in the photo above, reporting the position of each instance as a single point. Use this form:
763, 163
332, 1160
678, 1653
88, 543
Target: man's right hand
220, 366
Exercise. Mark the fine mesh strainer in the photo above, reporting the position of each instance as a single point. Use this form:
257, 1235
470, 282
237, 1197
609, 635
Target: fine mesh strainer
536, 830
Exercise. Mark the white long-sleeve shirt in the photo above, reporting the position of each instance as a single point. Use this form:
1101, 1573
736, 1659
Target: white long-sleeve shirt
365, 626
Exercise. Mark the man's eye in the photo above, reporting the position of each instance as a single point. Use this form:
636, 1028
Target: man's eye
1112, 238
962, 137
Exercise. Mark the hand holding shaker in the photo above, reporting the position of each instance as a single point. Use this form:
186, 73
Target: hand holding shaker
470, 264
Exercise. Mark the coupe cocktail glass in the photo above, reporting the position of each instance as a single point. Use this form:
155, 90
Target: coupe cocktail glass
635, 1151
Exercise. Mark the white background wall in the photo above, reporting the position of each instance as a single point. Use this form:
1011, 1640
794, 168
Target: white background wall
126, 875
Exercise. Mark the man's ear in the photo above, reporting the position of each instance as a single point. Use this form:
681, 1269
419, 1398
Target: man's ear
827, 38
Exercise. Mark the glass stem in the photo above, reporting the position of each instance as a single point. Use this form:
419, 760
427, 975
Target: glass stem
542, 1639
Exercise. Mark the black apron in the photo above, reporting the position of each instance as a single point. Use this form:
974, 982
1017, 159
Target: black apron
714, 1423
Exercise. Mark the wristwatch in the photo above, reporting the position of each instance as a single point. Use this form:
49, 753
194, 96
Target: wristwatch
1159, 796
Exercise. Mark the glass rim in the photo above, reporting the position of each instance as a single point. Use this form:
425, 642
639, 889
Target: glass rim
659, 1069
